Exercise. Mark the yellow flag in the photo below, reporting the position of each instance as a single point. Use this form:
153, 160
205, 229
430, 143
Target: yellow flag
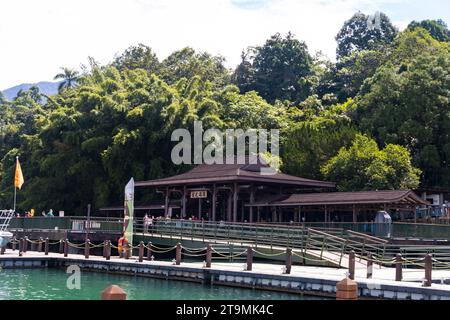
18, 179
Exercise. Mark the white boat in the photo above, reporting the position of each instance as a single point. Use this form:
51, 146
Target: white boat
5, 218
5, 237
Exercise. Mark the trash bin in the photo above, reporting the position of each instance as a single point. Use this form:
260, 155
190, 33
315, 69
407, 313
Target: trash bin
383, 224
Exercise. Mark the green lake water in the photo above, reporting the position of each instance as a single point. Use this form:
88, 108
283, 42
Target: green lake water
51, 284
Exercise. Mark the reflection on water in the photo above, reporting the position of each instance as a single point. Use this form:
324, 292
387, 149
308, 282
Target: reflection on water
50, 284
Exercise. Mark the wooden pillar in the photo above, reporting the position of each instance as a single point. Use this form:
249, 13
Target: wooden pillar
326, 214
66, 248
428, 268
39, 249
178, 254
208, 256
288, 260
398, 267
355, 217
141, 251
213, 202
351, 265
46, 246
108, 250
249, 258
86, 249
183, 203
252, 200
235, 201
166, 203
200, 208
258, 215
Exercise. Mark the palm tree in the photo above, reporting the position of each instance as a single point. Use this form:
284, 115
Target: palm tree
69, 77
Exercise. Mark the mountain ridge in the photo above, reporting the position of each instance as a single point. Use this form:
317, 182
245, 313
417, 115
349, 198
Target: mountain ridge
45, 87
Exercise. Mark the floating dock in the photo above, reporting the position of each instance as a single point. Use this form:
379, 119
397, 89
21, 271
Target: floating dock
304, 280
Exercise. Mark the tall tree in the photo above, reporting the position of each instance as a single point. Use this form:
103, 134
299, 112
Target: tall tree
407, 102
364, 32
363, 166
186, 63
69, 78
278, 70
138, 57
438, 29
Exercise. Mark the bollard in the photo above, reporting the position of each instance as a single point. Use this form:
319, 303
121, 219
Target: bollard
178, 254
61, 246
87, 248
2, 250
369, 266
249, 258
20, 247
25, 245
351, 265
113, 293
46, 246
208, 256
108, 250
40, 245
104, 249
149, 251
66, 248
398, 267
347, 289
141, 251
127, 250
14, 243
428, 268
288, 260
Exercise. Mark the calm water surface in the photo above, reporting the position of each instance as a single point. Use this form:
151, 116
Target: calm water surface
50, 284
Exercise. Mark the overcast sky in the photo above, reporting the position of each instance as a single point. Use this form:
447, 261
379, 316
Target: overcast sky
39, 37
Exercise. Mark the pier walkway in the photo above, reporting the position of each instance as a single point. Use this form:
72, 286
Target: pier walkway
302, 279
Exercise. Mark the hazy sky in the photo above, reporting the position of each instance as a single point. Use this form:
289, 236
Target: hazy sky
39, 37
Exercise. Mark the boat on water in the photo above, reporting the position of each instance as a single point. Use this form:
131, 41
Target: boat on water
5, 237
5, 218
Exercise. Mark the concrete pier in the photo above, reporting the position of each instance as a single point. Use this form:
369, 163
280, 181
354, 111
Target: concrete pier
319, 281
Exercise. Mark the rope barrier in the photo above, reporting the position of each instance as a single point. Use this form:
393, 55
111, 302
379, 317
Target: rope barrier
229, 255
269, 254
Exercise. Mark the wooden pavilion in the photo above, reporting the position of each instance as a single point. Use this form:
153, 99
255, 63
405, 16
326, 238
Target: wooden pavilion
244, 193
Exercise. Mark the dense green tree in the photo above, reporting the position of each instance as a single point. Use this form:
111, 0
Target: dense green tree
186, 63
138, 57
363, 166
438, 29
281, 69
408, 102
363, 32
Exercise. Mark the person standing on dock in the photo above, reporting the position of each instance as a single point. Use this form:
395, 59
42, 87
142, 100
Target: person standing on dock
122, 246
146, 223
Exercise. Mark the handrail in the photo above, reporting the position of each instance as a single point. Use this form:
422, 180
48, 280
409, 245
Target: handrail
366, 236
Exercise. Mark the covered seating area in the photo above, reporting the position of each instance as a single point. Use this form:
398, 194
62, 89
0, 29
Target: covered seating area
341, 206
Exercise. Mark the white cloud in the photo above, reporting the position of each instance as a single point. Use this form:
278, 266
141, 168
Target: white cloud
38, 37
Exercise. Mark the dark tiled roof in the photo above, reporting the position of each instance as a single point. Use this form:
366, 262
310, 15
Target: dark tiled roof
217, 173
336, 198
